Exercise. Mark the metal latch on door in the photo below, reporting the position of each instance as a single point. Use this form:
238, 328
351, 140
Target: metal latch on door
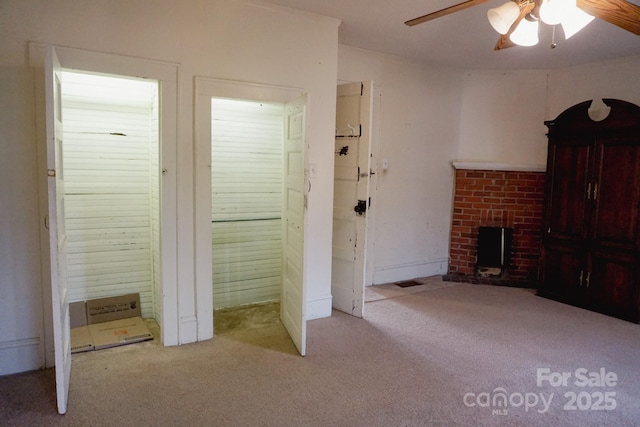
361, 207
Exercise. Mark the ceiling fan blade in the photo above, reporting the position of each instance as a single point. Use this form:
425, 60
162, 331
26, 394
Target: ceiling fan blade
617, 12
443, 12
504, 41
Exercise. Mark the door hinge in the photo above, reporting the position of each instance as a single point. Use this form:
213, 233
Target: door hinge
51, 172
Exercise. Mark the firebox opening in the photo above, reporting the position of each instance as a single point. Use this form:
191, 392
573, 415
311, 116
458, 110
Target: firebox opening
494, 252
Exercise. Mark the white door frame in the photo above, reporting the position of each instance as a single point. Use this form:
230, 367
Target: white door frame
166, 74
369, 262
205, 89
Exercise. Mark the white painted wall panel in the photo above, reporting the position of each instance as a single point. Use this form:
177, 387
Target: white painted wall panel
246, 209
108, 171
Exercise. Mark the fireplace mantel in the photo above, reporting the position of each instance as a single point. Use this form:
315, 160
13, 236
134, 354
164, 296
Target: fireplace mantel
506, 167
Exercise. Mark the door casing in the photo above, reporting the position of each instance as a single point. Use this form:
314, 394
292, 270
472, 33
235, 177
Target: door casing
103, 63
205, 89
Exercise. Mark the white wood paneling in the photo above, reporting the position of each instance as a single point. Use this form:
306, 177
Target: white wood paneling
246, 181
111, 168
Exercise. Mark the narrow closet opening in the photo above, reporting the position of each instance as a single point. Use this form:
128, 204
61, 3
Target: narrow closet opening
246, 211
111, 164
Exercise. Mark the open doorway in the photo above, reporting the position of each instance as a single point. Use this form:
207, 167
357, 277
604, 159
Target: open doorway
246, 201
251, 197
246, 212
49, 63
111, 167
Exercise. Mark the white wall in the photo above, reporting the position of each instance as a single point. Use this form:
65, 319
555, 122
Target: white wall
236, 40
502, 117
615, 79
503, 113
418, 135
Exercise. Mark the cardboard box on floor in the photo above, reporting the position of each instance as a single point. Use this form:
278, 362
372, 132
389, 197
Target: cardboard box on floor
107, 322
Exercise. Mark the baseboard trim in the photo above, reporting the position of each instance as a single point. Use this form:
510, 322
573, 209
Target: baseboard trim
399, 272
318, 308
21, 355
19, 343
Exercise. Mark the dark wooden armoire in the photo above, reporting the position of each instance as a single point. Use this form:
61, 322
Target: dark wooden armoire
590, 255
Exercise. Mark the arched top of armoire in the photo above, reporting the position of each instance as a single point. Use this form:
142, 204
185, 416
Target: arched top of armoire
623, 117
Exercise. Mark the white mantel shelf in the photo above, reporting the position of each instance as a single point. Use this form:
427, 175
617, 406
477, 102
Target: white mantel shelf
484, 166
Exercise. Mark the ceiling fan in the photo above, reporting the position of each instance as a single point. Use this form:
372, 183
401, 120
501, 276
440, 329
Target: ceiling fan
517, 20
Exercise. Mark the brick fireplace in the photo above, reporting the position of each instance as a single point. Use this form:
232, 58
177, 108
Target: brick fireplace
497, 196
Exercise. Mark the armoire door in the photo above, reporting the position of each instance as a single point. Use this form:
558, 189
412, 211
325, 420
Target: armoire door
565, 270
611, 285
616, 193
568, 169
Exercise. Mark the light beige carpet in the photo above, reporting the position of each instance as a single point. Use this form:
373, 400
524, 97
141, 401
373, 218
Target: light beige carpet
433, 358
391, 290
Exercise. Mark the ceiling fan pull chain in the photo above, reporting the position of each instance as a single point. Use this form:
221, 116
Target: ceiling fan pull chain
553, 37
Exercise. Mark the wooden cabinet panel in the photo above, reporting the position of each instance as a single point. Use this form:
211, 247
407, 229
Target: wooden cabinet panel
613, 284
616, 193
591, 237
563, 272
566, 208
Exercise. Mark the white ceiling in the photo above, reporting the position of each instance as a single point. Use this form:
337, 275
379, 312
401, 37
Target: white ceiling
463, 39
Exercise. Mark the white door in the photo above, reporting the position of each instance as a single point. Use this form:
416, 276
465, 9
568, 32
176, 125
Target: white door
57, 232
351, 196
292, 312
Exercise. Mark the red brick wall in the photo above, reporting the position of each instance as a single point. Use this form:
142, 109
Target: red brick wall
498, 199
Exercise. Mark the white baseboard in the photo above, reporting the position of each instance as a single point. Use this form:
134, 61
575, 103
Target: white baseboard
396, 273
21, 355
318, 308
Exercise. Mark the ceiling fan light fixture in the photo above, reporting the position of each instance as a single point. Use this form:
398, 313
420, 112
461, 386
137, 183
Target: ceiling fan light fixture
526, 34
502, 17
552, 12
574, 21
